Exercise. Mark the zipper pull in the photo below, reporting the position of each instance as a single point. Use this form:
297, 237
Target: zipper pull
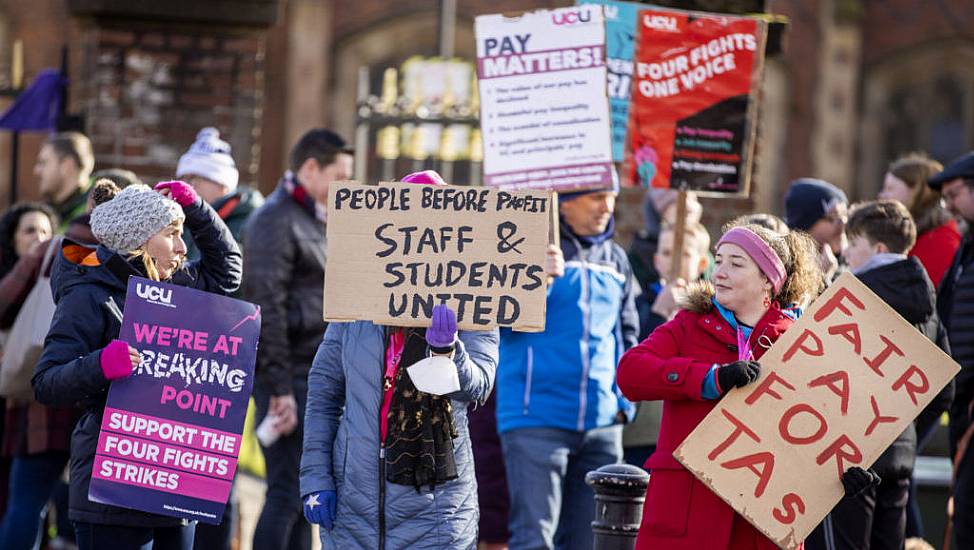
382, 451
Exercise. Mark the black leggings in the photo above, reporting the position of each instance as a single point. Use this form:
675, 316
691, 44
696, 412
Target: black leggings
96, 536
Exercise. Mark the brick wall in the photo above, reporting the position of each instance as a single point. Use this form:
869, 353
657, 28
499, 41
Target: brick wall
148, 89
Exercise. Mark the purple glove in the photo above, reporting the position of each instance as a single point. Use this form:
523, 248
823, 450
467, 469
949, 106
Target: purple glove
115, 360
443, 332
181, 192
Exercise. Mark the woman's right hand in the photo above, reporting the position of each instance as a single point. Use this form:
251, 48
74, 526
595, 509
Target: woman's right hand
118, 360
737, 374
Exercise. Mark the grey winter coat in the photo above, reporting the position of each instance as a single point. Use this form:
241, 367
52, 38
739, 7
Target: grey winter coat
341, 446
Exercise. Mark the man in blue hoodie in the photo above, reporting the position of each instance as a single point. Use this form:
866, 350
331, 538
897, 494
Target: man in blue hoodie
559, 411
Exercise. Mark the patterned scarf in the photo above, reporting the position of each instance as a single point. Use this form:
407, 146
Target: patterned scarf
419, 444
297, 191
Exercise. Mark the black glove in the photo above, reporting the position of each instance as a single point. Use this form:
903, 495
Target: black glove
737, 374
855, 480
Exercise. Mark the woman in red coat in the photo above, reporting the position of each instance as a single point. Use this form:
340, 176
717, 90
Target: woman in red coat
711, 346
937, 236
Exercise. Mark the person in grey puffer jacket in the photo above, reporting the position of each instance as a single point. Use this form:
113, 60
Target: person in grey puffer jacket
344, 453
386, 466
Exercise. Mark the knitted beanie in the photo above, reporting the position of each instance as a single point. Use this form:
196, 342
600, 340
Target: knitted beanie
128, 221
210, 158
809, 200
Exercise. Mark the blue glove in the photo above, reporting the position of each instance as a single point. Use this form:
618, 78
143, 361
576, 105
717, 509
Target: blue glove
321, 508
443, 332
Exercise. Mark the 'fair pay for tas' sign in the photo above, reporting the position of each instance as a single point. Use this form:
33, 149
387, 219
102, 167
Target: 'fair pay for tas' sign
835, 391
395, 250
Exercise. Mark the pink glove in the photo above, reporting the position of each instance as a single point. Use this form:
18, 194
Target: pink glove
182, 192
115, 360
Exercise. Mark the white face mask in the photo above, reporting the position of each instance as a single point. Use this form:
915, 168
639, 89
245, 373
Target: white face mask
436, 375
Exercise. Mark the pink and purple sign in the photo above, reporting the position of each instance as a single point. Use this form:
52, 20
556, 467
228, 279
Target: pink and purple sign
171, 432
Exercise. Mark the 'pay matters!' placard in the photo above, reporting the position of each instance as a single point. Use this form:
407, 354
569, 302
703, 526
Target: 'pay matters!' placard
397, 249
544, 109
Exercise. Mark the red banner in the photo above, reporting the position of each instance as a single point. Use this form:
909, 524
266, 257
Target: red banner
694, 98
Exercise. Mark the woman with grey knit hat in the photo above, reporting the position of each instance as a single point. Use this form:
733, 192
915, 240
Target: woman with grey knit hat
140, 234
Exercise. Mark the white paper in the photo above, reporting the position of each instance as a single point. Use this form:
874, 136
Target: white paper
436, 375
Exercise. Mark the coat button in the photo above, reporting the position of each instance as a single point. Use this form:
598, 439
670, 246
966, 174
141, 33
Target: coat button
718, 327
672, 377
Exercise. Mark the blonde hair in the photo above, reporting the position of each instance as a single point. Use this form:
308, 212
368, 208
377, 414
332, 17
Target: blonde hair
142, 253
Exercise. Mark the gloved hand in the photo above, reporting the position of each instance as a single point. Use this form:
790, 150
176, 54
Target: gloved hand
855, 480
321, 508
180, 191
443, 332
737, 374
118, 360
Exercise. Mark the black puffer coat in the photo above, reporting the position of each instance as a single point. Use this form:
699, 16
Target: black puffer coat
284, 273
89, 289
955, 303
904, 285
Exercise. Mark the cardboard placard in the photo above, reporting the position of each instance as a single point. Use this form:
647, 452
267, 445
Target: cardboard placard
397, 249
695, 93
543, 105
171, 432
835, 391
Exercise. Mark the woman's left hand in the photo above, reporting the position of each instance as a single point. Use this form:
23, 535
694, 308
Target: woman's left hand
179, 191
855, 480
443, 331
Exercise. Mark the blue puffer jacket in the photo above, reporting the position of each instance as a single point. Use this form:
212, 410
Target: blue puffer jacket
564, 377
341, 446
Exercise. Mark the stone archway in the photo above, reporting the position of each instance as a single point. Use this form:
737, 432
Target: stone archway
920, 99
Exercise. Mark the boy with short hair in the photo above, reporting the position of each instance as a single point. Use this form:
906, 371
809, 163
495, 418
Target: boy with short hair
880, 233
658, 302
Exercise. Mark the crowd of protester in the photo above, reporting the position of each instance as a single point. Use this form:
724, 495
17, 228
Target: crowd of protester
638, 347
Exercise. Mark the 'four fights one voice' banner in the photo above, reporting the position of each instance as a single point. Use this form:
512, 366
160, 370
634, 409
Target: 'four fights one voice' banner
694, 100
171, 432
397, 249
544, 110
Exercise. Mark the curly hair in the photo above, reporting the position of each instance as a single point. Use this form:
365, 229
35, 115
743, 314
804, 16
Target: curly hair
769, 221
798, 252
8, 229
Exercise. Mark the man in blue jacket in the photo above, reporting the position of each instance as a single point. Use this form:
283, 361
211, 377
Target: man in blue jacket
559, 412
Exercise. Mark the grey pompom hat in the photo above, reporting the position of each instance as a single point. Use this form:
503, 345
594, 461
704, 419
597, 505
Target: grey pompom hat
128, 221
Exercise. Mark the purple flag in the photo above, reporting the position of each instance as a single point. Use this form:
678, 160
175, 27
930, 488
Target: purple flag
37, 107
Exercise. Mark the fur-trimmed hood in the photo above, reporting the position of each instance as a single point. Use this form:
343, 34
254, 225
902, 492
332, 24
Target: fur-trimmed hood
699, 297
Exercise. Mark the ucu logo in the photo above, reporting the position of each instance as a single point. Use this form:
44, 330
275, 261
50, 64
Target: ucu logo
571, 17
660, 23
153, 293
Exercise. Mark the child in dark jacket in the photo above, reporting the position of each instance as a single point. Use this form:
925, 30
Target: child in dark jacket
880, 233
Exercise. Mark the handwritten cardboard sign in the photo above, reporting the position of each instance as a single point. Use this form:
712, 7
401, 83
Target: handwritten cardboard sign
694, 100
835, 391
395, 250
543, 104
171, 432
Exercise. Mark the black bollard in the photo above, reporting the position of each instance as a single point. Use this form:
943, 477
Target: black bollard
620, 490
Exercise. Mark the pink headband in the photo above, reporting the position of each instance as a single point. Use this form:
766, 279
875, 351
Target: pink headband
768, 261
